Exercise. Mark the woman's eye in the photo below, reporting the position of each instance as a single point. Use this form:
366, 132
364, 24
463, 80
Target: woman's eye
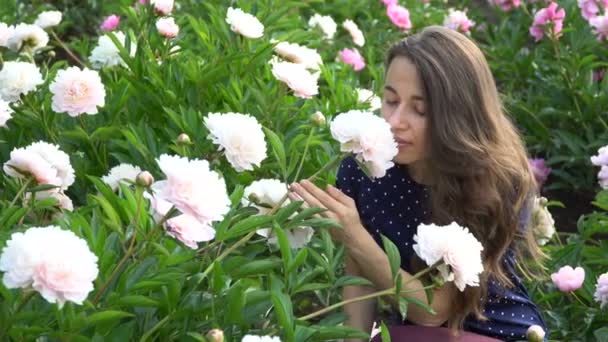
391, 103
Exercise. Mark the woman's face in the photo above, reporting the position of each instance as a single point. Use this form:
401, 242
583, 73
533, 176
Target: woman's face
404, 108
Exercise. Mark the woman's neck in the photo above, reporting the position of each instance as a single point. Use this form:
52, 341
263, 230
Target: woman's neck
419, 172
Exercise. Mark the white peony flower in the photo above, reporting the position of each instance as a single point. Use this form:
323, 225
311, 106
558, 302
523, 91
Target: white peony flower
55, 262
354, 32
77, 91
601, 290
269, 192
601, 158
325, 23
369, 137
5, 112
106, 54
255, 338
367, 96
299, 54
44, 161
48, 19
18, 78
459, 250
244, 23
164, 7
240, 136
167, 27
542, 222
27, 36
602, 177
119, 173
192, 188
63, 201
6, 32
301, 81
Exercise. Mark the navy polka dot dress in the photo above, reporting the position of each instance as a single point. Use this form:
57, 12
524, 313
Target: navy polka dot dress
394, 206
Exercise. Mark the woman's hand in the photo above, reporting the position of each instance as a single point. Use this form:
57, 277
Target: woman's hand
340, 207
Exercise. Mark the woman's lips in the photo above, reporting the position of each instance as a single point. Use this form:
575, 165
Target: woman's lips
403, 143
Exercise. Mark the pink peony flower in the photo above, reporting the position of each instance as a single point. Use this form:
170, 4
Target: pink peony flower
602, 177
352, 57
389, 2
244, 23
601, 158
458, 21
590, 8
77, 91
399, 16
355, 33
167, 27
549, 16
110, 23
540, 170
164, 7
601, 290
506, 5
600, 27
568, 279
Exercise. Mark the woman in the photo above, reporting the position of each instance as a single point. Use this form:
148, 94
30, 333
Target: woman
460, 159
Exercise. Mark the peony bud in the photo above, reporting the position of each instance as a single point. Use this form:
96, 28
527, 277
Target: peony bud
144, 179
184, 139
535, 333
110, 23
215, 335
318, 119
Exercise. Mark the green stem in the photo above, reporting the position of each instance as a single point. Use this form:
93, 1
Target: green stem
20, 192
157, 326
66, 49
310, 134
577, 298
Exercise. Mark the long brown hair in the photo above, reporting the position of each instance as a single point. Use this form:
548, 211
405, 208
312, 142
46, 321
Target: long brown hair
477, 160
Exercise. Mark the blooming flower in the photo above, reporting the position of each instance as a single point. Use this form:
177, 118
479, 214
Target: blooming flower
110, 23
5, 33
456, 247
55, 262
399, 16
389, 2
269, 192
368, 97
48, 19
254, 338
244, 23
77, 91
369, 137
601, 290
299, 54
600, 26
44, 161
164, 7
505, 5
17, 78
551, 17
542, 222
63, 201
119, 173
354, 32
590, 8
326, 23
540, 170
32, 37
5, 113
602, 177
601, 158
301, 81
167, 27
568, 279
240, 136
352, 57
535, 333
106, 54
458, 21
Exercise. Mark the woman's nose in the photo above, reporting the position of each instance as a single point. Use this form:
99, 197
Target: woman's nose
396, 120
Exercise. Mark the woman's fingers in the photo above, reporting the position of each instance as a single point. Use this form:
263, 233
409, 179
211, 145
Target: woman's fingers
321, 196
305, 196
339, 195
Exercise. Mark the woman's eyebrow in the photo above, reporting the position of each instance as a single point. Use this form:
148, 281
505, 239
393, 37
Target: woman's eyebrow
413, 97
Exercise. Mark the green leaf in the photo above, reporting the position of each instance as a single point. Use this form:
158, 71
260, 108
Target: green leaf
394, 258
349, 280
283, 214
107, 316
311, 287
278, 150
245, 226
284, 311
384, 332
235, 302
339, 332
283, 246
298, 260
256, 267
403, 303
138, 300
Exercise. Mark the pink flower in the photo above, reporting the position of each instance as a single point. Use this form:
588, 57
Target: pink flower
601, 290
549, 15
164, 7
389, 2
506, 5
540, 170
590, 8
301, 81
458, 21
352, 57
568, 279
600, 27
602, 177
598, 74
77, 91
399, 16
167, 27
110, 23
601, 158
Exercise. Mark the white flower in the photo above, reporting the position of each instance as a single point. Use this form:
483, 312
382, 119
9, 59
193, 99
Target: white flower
367, 96
375, 330
369, 137
255, 338
458, 21
119, 173
18, 78
301, 81
459, 250
325, 23
269, 192
542, 222
63, 201
5, 112
106, 54
602, 177
167, 27
48, 19
192, 188
164, 7
5, 33
354, 31
601, 158
299, 54
55, 262
244, 23
77, 91
240, 136
29, 36
601, 290
44, 161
